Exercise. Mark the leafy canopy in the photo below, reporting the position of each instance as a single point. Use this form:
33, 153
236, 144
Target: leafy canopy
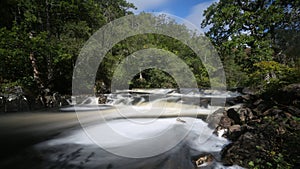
246, 32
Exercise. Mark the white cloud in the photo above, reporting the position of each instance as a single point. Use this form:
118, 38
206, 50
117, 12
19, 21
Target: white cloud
196, 14
144, 5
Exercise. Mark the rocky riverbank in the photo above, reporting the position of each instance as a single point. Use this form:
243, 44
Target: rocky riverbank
265, 131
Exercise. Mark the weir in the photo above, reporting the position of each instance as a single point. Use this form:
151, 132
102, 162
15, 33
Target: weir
194, 103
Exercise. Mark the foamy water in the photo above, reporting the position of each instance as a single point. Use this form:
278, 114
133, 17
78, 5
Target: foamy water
161, 134
141, 140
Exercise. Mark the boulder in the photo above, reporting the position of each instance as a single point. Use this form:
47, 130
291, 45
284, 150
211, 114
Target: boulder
102, 99
234, 128
241, 151
225, 122
249, 91
232, 114
245, 114
272, 112
263, 106
221, 132
213, 119
257, 102
204, 102
293, 110
203, 160
263, 128
242, 99
234, 132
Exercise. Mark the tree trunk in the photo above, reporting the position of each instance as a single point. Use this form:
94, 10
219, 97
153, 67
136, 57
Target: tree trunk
49, 56
141, 75
36, 73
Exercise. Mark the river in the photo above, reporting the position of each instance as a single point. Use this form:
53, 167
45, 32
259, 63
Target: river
154, 135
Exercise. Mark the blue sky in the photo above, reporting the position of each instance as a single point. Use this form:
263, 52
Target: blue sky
190, 10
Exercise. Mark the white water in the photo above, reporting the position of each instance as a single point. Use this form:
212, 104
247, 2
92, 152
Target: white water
164, 138
139, 96
195, 132
135, 136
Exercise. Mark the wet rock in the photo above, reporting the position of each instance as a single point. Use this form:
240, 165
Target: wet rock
245, 114
220, 131
225, 122
214, 119
234, 128
264, 127
272, 112
204, 102
238, 99
212, 92
203, 160
232, 102
257, 102
102, 99
261, 107
234, 132
232, 114
240, 150
235, 107
180, 120
242, 99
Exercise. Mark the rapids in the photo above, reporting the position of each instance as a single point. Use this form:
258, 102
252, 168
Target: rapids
160, 133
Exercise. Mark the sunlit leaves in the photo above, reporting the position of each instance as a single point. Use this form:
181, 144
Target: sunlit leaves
249, 32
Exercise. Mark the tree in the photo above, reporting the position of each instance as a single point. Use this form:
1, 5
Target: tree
253, 31
154, 77
40, 40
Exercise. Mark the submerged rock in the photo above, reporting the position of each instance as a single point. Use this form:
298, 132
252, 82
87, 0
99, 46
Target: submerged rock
203, 160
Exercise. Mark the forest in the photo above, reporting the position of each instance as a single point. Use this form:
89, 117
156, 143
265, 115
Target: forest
258, 43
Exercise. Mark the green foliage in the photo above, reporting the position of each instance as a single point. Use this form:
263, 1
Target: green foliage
155, 77
7, 85
235, 75
278, 163
52, 32
271, 75
250, 32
